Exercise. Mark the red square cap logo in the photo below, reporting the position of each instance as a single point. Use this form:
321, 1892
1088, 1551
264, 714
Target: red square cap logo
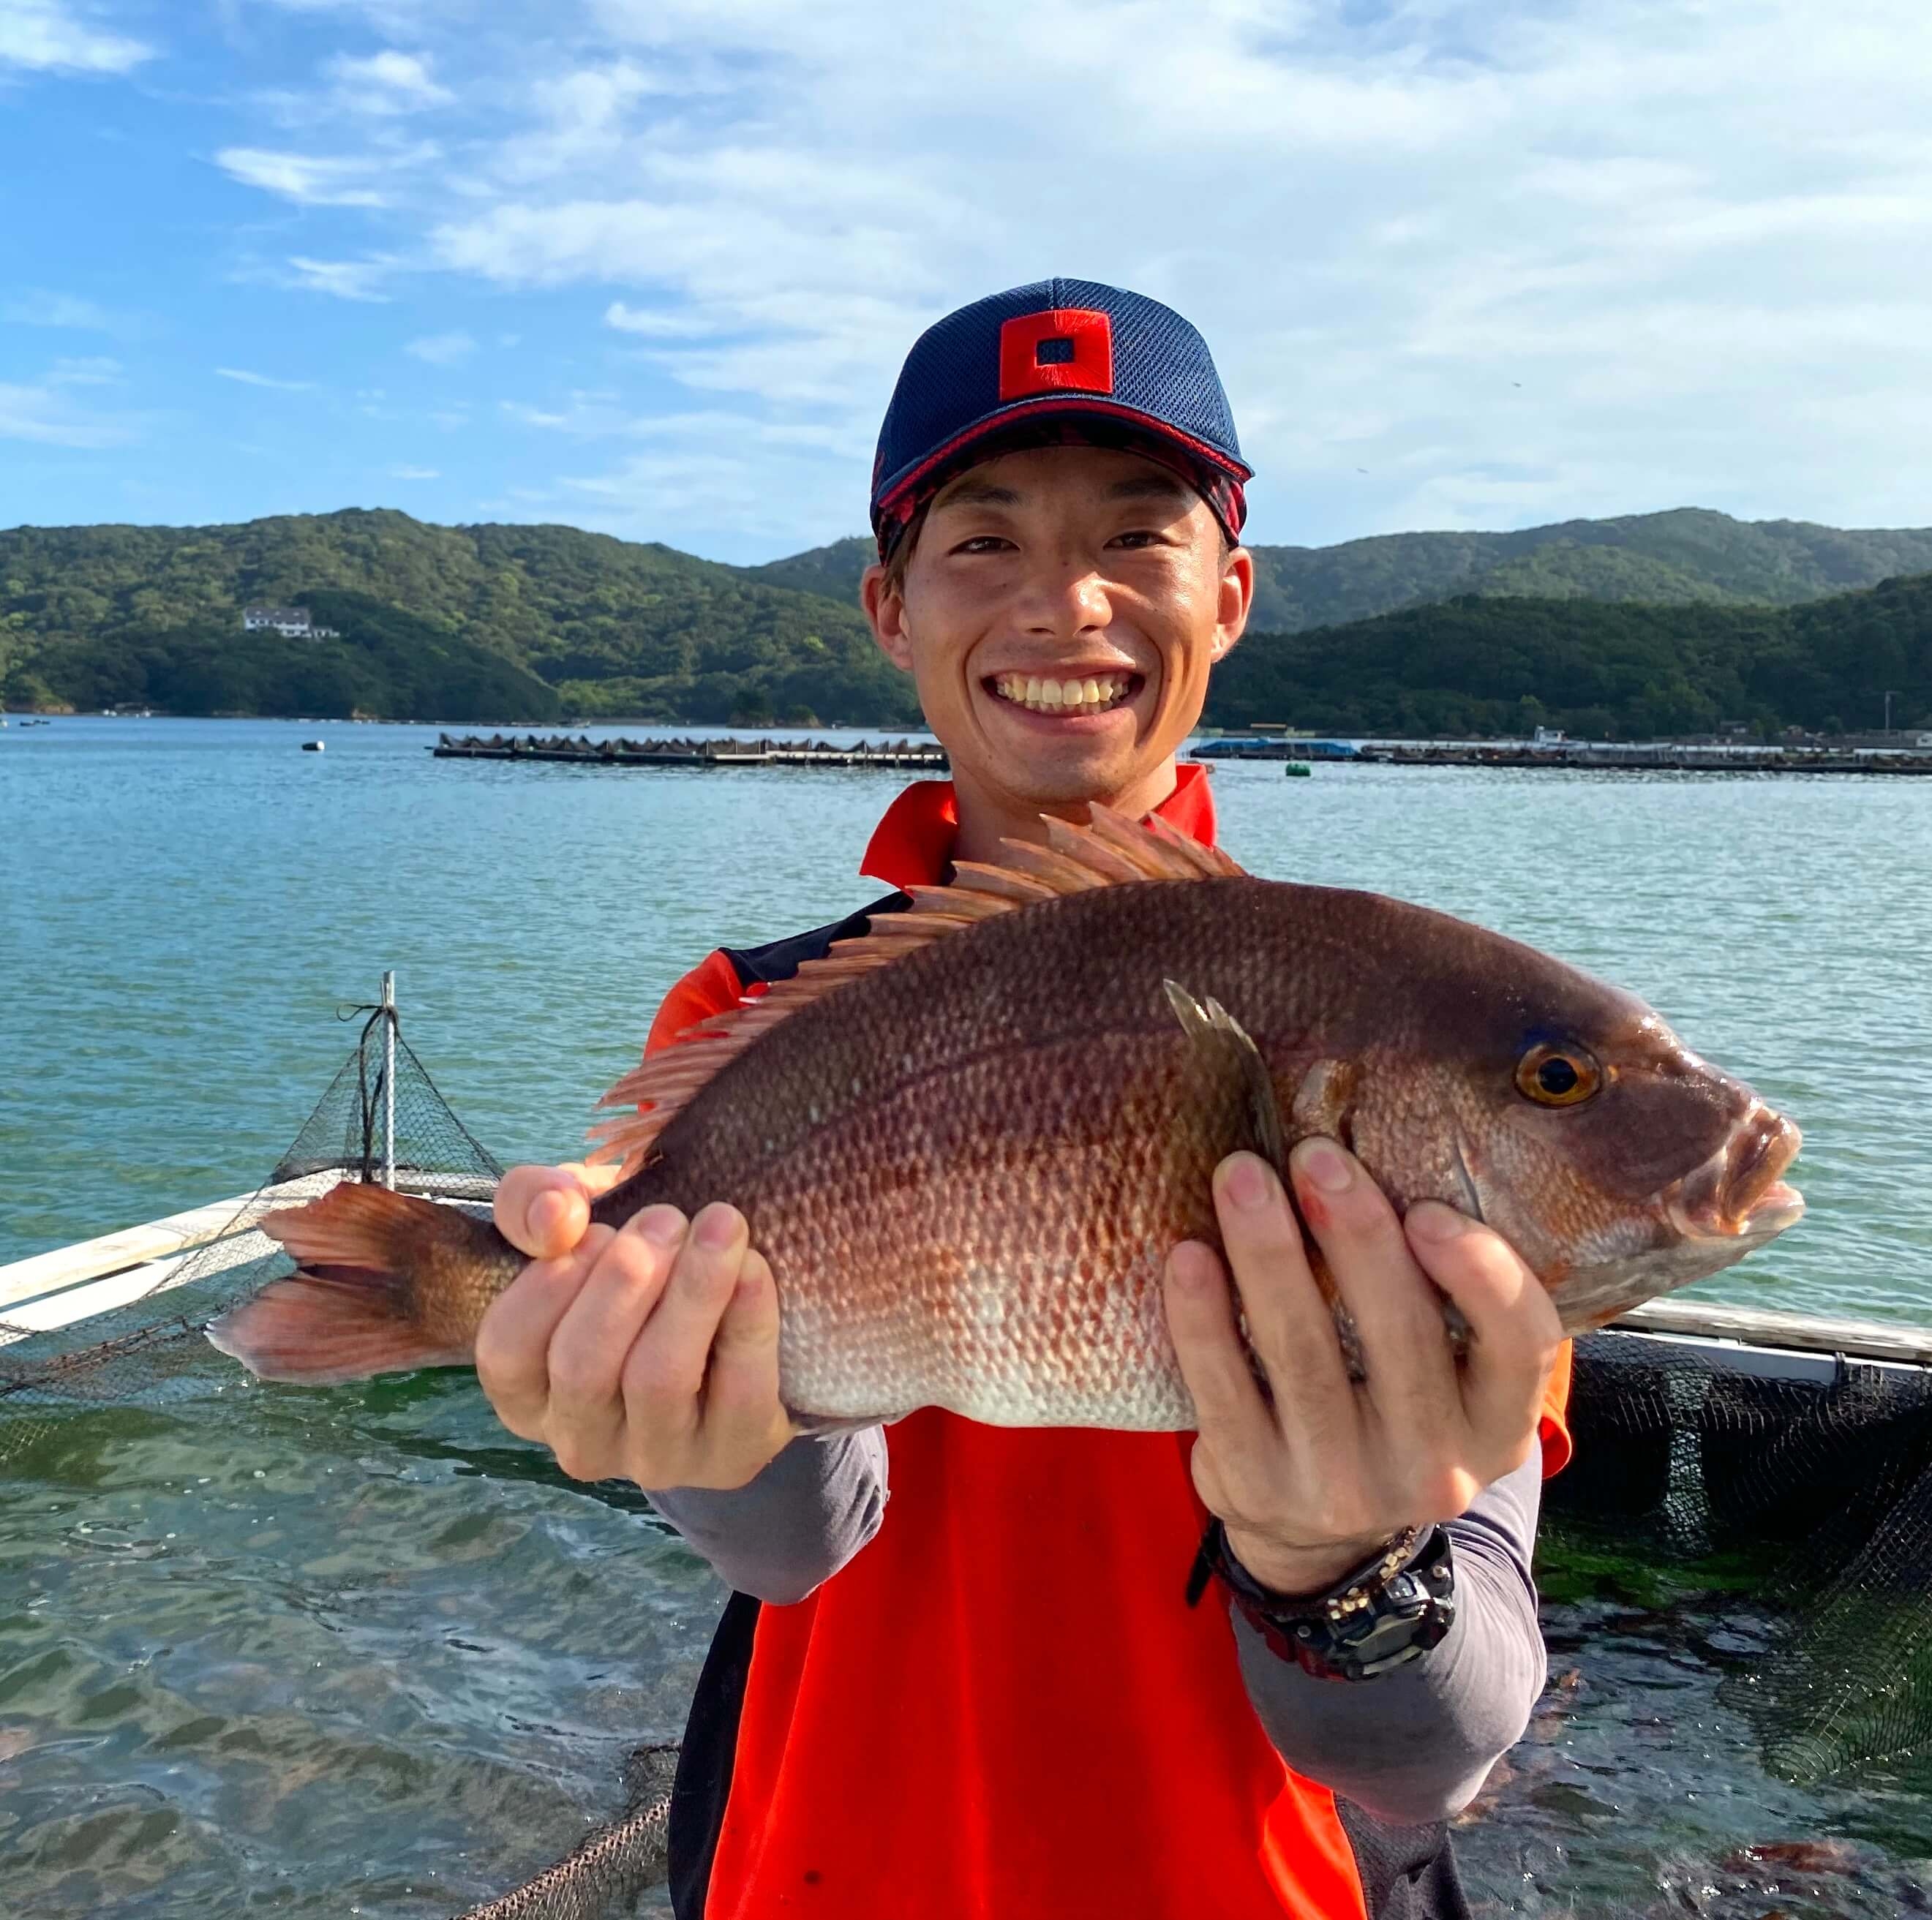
1067, 349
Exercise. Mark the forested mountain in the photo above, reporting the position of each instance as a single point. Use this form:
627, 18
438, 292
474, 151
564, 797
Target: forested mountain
1682, 556
833, 571
538, 623
1600, 669
381, 661
612, 626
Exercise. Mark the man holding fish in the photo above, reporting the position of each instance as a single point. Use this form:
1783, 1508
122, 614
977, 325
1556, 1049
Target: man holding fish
999, 1161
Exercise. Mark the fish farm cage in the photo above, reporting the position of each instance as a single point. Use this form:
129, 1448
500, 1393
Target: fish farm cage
1762, 1481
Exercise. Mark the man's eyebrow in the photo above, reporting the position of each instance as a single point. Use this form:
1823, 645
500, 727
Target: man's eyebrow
1147, 486
966, 493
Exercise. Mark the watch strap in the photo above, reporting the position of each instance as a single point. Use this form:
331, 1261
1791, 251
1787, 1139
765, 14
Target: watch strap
1391, 1609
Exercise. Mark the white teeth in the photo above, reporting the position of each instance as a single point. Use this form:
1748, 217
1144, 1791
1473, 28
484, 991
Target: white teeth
1052, 696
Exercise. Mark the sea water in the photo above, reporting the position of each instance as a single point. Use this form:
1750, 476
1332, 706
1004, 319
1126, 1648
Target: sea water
357, 1650
184, 904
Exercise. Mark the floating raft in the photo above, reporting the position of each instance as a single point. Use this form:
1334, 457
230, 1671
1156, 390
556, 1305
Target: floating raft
1637, 758
584, 752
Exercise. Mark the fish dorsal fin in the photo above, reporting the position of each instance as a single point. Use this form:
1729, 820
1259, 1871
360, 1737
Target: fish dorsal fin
1112, 851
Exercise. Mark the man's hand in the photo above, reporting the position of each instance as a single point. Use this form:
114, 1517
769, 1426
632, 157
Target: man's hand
1308, 1483
648, 1353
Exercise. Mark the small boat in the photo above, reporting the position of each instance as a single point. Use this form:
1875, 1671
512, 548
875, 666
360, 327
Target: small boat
314, 746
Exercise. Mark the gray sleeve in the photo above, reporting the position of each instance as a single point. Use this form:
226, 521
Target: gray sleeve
786, 1532
1414, 1744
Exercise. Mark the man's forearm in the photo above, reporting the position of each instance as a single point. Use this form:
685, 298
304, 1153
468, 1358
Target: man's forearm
1414, 1744
791, 1529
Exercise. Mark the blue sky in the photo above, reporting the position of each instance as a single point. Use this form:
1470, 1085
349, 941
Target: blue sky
649, 266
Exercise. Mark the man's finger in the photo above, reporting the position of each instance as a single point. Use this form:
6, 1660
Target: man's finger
588, 1349
541, 1211
665, 1373
513, 1341
1291, 1326
1228, 1403
544, 1210
1410, 1371
1513, 1326
743, 1416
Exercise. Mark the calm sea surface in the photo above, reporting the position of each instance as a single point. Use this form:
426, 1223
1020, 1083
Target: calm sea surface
184, 904
355, 1650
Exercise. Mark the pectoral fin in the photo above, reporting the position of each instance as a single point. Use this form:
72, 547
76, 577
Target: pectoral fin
1222, 1048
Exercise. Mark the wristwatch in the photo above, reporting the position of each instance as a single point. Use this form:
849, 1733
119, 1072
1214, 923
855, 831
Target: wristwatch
1392, 1609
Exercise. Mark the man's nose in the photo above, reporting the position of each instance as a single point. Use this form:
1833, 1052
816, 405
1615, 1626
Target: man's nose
1067, 598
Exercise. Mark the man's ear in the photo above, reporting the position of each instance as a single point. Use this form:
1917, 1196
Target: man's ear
885, 610
1237, 596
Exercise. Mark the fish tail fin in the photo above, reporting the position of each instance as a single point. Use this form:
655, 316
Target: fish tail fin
370, 1262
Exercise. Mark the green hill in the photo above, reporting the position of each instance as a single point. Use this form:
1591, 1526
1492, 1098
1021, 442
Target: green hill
1682, 556
1477, 666
1663, 622
610, 626
383, 661
833, 571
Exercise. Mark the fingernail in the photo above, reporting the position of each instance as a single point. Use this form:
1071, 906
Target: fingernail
1247, 1183
662, 1226
1188, 1270
1431, 1220
1327, 1168
546, 1212
717, 1229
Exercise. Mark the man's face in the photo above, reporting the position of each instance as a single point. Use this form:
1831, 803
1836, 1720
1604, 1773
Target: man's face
1060, 614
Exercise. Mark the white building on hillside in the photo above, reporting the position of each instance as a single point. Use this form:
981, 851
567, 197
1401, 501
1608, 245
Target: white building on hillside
291, 623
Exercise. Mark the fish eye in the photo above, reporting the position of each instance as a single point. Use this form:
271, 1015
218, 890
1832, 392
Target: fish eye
1557, 1076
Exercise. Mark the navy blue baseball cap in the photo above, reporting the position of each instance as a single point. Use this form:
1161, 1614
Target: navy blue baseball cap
1059, 360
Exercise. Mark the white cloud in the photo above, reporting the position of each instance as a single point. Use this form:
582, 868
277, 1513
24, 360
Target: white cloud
39, 307
345, 280
95, 369
414, 473
1689, 233
388, 83
442, 349
314, 180
307, 179
654, 323
249, 380
47, 413
42, 35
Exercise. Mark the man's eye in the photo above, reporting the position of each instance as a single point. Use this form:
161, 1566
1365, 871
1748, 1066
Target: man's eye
1139, 537
982, 543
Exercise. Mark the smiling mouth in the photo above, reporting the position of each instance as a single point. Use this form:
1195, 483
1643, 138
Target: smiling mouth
1092, 693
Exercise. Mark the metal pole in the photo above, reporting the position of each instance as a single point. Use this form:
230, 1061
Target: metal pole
389, 1080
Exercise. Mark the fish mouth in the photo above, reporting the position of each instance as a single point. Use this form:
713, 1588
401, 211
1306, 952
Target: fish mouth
1738, 1193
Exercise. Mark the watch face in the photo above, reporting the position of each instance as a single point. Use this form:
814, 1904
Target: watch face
1369, 1627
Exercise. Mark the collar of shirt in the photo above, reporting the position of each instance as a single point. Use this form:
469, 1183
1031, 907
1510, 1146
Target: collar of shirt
912, 845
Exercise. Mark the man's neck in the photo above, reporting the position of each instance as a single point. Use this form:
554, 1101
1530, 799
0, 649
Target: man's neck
988, 816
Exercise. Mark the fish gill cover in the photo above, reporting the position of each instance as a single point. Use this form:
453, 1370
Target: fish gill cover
1803, 1507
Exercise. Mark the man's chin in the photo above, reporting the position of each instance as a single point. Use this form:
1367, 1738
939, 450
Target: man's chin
1071, 782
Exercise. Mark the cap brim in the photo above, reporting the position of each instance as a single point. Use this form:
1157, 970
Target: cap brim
1056, 405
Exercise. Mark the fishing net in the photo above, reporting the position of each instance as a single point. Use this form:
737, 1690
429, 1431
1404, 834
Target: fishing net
1790, 1494
382, 1119
1798, 1486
